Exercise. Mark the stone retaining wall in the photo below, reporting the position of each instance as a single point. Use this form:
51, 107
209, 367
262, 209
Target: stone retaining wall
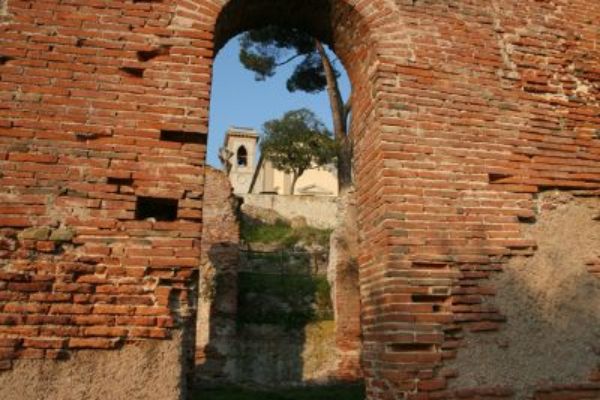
319, 211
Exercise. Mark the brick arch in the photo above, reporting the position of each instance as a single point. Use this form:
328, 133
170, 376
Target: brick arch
354, 30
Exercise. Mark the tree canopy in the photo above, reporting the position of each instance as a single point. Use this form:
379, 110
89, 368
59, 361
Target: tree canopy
296, 142
264, 50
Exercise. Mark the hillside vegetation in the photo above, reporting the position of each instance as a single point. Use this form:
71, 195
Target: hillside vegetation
283, 235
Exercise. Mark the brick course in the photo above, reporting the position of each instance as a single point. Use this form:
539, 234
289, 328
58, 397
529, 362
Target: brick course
463, 110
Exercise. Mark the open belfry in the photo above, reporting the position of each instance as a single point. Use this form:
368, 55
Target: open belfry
476, 131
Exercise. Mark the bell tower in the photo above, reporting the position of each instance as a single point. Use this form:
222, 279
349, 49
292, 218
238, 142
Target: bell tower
240, 153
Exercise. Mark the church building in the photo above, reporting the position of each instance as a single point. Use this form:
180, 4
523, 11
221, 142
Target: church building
251, 173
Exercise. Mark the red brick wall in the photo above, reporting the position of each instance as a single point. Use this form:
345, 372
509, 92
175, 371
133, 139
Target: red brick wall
463, 110
480, 111
81, 115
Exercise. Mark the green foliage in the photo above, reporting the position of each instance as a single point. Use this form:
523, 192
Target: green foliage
291, 301
263, 50
264, 233
297, 142
283, 234
307, 235
332, 392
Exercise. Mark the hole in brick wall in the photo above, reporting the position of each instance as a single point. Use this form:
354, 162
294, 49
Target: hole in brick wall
429, 265
160, 209
550, 188
411, 347
85, 136
120, 181
526, 220
136, 72
80, 42
182, 137
5, 59
496, 177
428, 298
150, 54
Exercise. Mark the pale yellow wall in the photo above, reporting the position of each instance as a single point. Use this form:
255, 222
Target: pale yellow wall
317, 181
273, 180
320, 177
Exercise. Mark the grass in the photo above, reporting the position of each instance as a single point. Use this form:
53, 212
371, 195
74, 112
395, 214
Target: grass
283, 234
265, 233
333, 392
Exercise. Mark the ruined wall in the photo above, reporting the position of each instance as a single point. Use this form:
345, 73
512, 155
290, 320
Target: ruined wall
343, 276
232, 348
462, 111
319, 211
272, 355
552, 306
217, 301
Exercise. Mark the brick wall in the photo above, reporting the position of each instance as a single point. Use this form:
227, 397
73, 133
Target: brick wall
463, 111
102, 140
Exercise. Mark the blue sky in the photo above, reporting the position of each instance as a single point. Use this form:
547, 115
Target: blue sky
238, 100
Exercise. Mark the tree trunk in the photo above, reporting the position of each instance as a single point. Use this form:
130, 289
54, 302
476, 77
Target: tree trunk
295, 177
340, 128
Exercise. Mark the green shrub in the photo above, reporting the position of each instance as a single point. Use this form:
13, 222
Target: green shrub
289, 300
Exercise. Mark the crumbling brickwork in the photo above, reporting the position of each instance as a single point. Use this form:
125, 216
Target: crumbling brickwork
217, 300
462, 111
342, 274
545, 298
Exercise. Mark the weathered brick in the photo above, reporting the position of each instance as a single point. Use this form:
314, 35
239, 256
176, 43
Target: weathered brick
44, 343
92, 343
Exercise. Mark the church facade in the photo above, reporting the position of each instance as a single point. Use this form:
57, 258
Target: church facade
250, 173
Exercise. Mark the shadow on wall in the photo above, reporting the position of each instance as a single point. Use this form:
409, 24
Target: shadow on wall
257, 328
552, 305
217, 309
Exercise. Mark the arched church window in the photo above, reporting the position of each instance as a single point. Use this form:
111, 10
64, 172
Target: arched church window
242, 157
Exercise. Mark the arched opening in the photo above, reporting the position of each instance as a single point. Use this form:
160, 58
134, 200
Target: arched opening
242, 157
340, 26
